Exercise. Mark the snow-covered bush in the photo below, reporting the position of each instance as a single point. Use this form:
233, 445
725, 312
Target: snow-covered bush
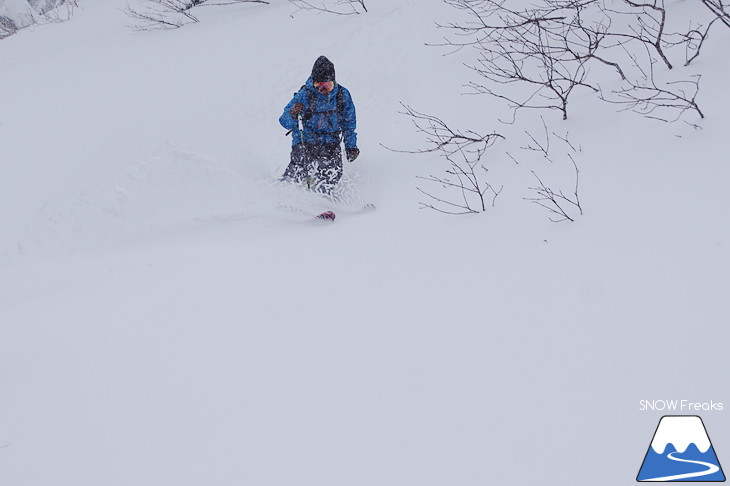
339, 7
7, 27
14, 15
171, 14
18, 14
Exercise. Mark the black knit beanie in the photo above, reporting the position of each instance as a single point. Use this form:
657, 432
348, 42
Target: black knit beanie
323, 70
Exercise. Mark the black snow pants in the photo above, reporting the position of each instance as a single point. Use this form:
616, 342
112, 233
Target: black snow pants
319, 166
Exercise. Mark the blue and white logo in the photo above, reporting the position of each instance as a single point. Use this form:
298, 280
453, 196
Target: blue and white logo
681, 451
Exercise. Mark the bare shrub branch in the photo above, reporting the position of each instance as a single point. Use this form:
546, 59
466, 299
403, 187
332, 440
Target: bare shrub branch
664, 102
539, 146
647, 25
561, 207
555, 202
533, 48
338, 7
465, 173
538, 56
44, 13
720, 8
7, 27
172, 14
695, 37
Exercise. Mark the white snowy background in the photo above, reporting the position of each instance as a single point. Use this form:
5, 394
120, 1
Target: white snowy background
163, 321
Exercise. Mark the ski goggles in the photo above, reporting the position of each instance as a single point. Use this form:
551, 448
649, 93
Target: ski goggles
324, 86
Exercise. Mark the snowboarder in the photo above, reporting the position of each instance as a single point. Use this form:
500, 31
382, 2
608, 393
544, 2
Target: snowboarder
327, 119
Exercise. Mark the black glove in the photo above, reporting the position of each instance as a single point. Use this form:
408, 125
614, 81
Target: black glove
352, 153
296, 110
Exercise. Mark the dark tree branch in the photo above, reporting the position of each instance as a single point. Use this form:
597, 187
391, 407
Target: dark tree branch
173, 14
537, 57
720, 9
559, 205
463, 151
555, 202
646, 97
352, 7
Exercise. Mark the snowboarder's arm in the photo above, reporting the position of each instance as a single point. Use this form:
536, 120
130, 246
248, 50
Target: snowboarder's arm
349, 120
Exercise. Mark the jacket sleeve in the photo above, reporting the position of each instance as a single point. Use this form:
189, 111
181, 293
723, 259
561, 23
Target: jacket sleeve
286, 119
349, 120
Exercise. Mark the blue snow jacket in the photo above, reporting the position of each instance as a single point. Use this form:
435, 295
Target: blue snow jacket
324, 125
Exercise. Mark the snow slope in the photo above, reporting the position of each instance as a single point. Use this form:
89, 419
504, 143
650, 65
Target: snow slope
165, 320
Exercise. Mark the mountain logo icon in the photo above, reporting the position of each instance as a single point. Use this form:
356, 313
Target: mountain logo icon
681, 451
